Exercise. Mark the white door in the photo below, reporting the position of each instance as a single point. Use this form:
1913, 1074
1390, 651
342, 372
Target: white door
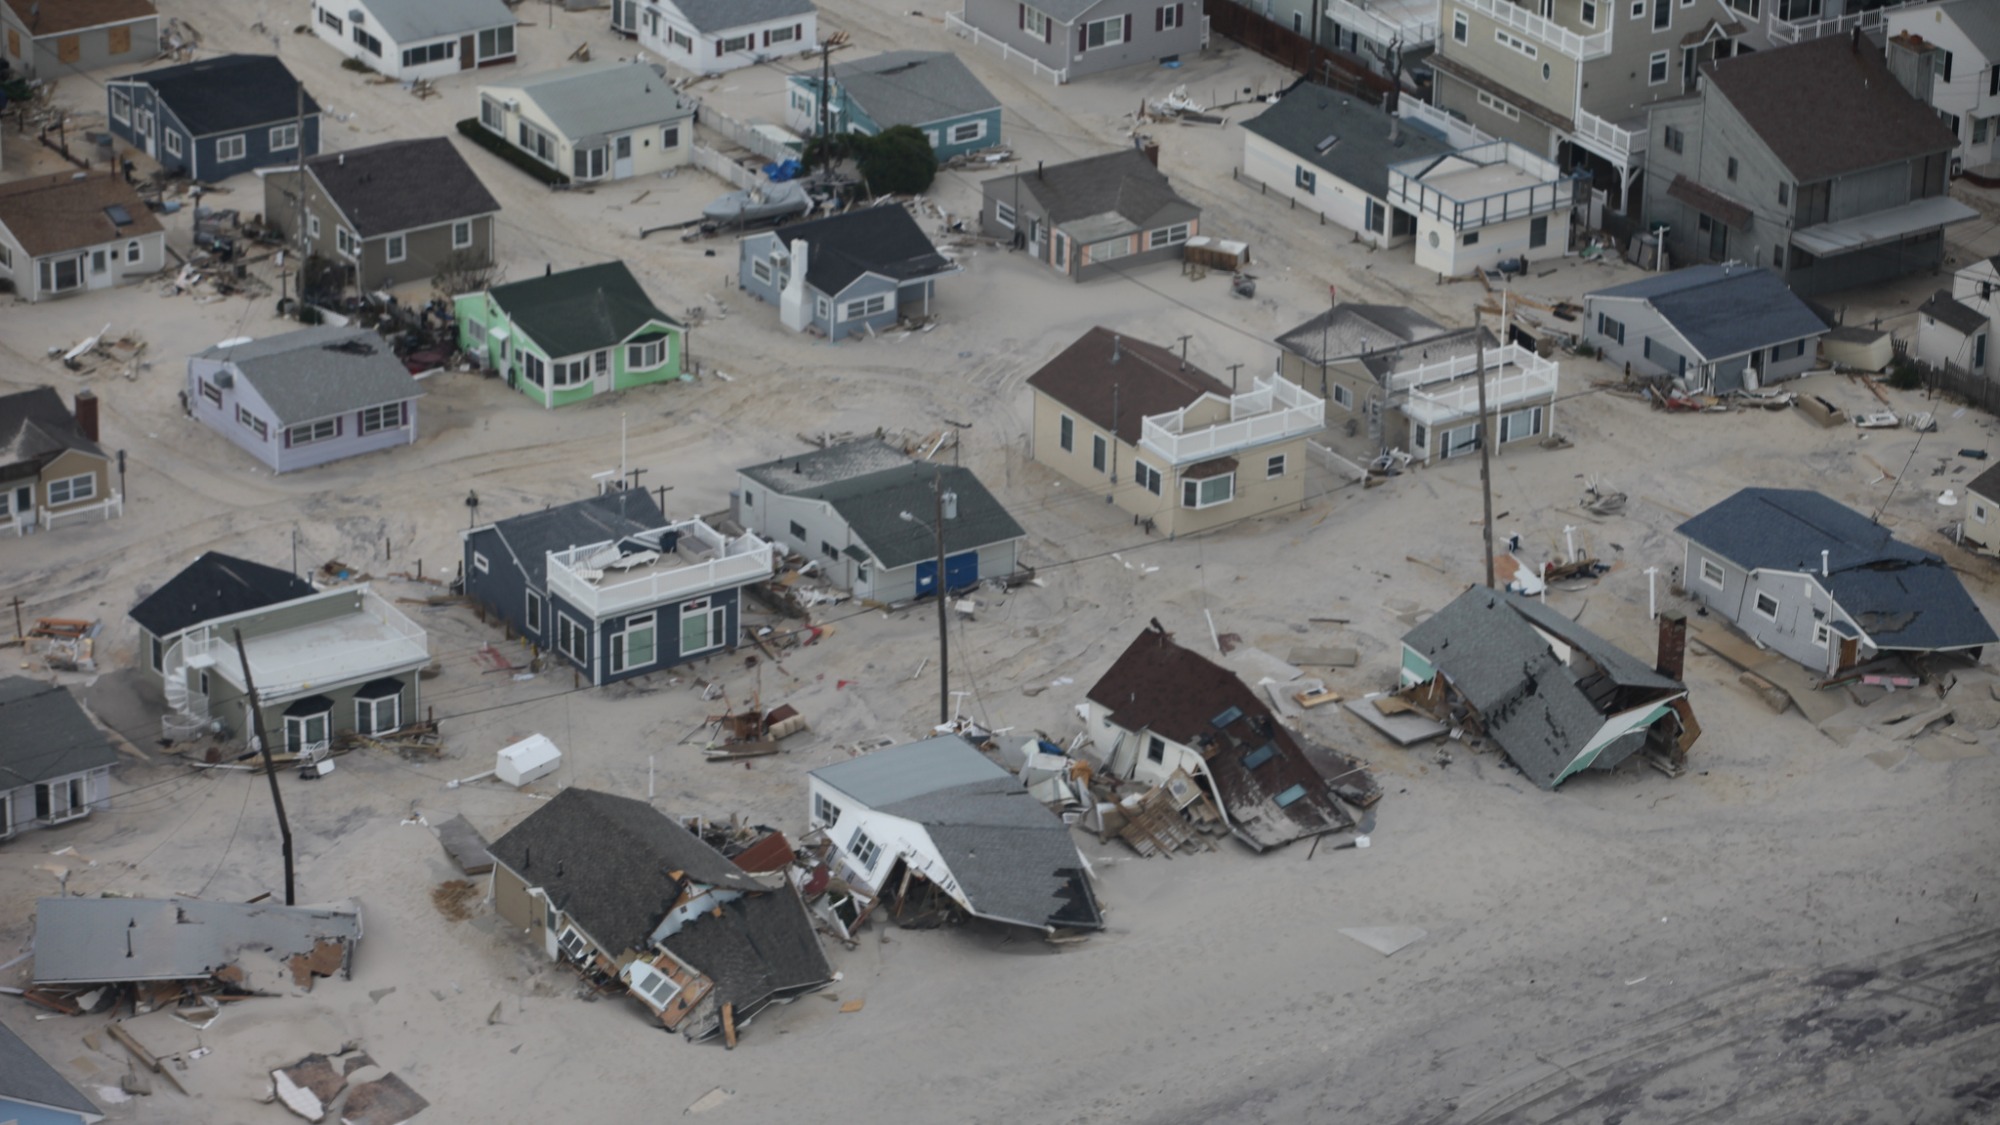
623, 166
142, 124
98, 269
600, 372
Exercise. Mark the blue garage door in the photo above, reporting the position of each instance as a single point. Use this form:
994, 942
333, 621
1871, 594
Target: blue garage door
960, 571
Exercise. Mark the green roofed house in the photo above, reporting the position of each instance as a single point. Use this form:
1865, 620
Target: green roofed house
564, 337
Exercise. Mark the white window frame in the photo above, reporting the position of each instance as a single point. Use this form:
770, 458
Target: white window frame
1146, 476
1195, 493
458, 241
1657, 68
326, 429
329, 19
479, 563
646, 356
572, 639
715, 630
375, 419
1533, 417
1274, 466
1037, 23
1343, 397
173, 143
1103, 30
284, 137
733, 43
1504, 109
569, 373
250, 421
303, 724
1172, 16
960, 136
395, 247
73, 490
621, 652
825, 813
534, 613
75, 794
865, 307
312, 225
343, 241
1066, 433
1757, 605
1003, 213
864, 851
492, 115
1712, 573
1822, 636
372, 710
1305, 179
760, 268
121, 105
134, 252
784, 34
1461, 28
1509, 39
1169, 236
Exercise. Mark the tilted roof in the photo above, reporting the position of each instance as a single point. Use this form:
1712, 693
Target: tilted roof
756, 949
1828, 106
115, 940
1543, 712
1902, 596
800, 472
721, 15
1986, 484
579, 310
1949, 311
44, 733
26, 1076
1309, 115
1122, 183
883, 240
227, 92
594, 519
872, 507
402, 185
72, 211
413, 21
36, 428
320, 371
914, 87
215, 585
43, 18
1724, 311
1115, 381
593, 99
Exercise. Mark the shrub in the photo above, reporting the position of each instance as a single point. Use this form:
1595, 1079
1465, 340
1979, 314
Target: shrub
478, 134
898, 161
1904, 375
357, 66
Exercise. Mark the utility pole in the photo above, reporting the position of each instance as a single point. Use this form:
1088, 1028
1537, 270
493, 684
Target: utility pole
270, 768
825, 86
1332, 304
1485, 447
299, 227
944, 648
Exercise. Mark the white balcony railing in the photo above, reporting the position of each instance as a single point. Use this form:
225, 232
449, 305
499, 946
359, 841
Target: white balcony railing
1457, 133
1274, 410
1799, 31
1619, 145
1375, 26
1542, 189
1440, 392
372, 638
733, 562
1527, 23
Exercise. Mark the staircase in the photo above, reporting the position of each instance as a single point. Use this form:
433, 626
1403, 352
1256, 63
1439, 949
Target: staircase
190, 717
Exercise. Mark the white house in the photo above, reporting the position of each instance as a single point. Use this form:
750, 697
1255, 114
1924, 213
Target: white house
1956, 326
598, 121
711, 36
67, 232
55, 765
410, 39
1482, 205
1327, 152
1948, 55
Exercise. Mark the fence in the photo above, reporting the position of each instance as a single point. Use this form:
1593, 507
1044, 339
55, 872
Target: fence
1951, 379
742, 134
965, 30
1335, 463
709, 160
1282, 45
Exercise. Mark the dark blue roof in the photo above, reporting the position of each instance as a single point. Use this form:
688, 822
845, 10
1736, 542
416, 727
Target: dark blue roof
1902, 596
612, 515
231, 92
1724, 312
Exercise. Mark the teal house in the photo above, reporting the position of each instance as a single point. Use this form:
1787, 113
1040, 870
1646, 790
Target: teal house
564, 337
931, 90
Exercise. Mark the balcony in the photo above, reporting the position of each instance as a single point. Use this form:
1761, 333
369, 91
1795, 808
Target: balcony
681, 560
1443, 392
358, 637
1799, 31
1384, 21
1274, 410
1616, 144
1525, 22
1480, 186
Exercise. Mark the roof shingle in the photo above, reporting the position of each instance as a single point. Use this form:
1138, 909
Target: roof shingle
71, 211
1115, 382
402, 185
215, 585
579, 310
228, 92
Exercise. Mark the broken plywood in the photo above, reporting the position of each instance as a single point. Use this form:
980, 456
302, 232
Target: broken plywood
309, 1086
386, 1101
1405, 728
466, 847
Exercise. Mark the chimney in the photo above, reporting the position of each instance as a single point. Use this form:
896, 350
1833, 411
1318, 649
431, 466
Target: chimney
1673, 644
1855, 41
86, 415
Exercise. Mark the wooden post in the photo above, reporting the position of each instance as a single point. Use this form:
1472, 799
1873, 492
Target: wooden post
729, 1026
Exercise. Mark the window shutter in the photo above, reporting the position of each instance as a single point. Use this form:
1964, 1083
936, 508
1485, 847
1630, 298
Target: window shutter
339, 424
1082, 38
1180, 15
1048, 31
718, 48
403, 414
799, 32
1128, 27
1159, 19
767, 37
1993, 84
1023, 14
288, 436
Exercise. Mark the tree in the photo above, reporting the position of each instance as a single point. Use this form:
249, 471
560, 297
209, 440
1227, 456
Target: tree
898, 160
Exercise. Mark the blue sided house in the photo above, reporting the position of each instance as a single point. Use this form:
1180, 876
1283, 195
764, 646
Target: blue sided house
613, 587
33, 1093
931, 91
214, 118
844, 275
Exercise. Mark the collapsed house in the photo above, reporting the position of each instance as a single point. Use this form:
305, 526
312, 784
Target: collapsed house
1167, 716
629, 897
1554, 696
941, 812
88, 942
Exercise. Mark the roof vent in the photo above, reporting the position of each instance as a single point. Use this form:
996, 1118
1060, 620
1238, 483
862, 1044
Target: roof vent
1329, 142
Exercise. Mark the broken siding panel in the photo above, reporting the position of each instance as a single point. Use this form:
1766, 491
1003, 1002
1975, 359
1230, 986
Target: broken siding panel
1616, 727
1416, 669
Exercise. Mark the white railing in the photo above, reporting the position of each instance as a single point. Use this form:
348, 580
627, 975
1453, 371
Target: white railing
1334, 462
1458, 134
737, 562
963, 30
1277, 409
743, 134
1548, 31
1548, 190
1441, 392
1608, 140
720, 166
1459, 366
1799, 31
403, 641
112, 505
1375, 27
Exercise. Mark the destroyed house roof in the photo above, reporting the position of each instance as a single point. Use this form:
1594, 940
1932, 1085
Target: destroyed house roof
413, 21
1118, 393
579, 310
72, 211
402, 185
720, 15
319, 372
227, 93
899, 773
615, 865
27, 1077
1544, 713
913, 87
44, 734
756, 949
58, 17
1308, 116
872, 507
36, 428
594, 519
1828, 107
215, 585
596, 99
843, 461
115, 940
881, 240
1122, 183
1950, 312
1270, 798
1902, 596
1724, 311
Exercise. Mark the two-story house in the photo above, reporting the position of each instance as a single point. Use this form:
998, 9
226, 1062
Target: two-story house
51, 465
1166, 441
1073, 38
1331, 153
1948, 56
388, 214
1811, 160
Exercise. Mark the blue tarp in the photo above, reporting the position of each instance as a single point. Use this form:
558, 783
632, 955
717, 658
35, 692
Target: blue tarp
783, 170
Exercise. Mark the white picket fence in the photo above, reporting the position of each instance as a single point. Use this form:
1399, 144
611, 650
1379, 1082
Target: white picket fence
713, 162
1335, 463
965, 30
742, 133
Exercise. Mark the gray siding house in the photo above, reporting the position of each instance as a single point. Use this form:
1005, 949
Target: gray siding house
54, 39
845, 275
213, 118
1079, 37
1100, 214
213, 585
55, 765
305, 398
1808, 159
843, 507
388, 214
1823, 584
1716, 328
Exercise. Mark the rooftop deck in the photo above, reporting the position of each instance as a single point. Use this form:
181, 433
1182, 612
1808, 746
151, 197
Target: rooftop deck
1445, 391
1275, 409
375, 639
679, 560
1478, 186
1545, 31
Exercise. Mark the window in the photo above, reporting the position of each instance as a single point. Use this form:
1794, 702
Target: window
782, 34
1638, 9
1460, 440
134, 252
330, 20
1538, 232
658, 988
1110, 248
211, 392
1274, 466
1656, 68
368, 42
63, 799
1305, 179
1170, 236
173, 142
670, 136
703, 625
1673, 140
573, 945
308, 734
1003, 214
865, 307
569, 372
636, 646
1209, 491
1610, 329
395, 247
1767, 605
250, 421
479, 563
760, 268
572, 639
1547, 72
1290, 796
312, 225
344, 241
375, 419
1589, 13
1420, 437
1784, 195
379, 715
1509, 39
1778, 256
1946, 73
1460, 28
1663, 14
1496, 105
534, 616
72, 490
461, 234
1470, 239
1169, 17
1520, 424
62, 274
864, 850
823, 308
491, 116
159, 646
121, 106
1066, 433
798, 531
1036, 23
679, 39
646, 355
312, 431
1343, 397
1156, 749
1812, 205
534, 369
496, 42
1822, 636
538, 142
1104, 33
827, 549
430, 53
1098, 451
965, 132
1731, 168
824, 811
1147, 476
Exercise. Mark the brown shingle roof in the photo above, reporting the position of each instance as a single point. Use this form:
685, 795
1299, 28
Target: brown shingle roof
1709, 202
54, 17
50, 214
1828, 107
1145, 379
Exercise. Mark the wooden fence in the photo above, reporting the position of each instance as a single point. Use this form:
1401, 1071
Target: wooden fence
1342, 70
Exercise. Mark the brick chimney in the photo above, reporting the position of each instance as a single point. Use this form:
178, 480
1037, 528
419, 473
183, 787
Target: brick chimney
86, 414
1672, 660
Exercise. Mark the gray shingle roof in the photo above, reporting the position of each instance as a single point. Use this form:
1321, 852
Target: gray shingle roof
883, 240
1725, 311
319, 372
899, 773
1986, 484
1947, 310
846, 460
36, 428
228, 92
914, 87
872, 508
1345, 331
1307, 115
1122, 183
604, 97
44, 733
402, 185
412, 21
757, 949
1903, 597
114, 940
1980, 20
1542, 712
215, 585
721, 15
26, 1076
593, 519
579, 310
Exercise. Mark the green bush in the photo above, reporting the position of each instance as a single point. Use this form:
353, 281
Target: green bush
898, 161
1904, 376
485, 138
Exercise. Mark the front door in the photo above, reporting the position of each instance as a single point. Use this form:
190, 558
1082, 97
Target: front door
926, 578
100, 269
142, 124
623, 167
600, 373
961, 571
465, 59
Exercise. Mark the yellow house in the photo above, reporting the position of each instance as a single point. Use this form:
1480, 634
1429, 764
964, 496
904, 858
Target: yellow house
1165, 440
51, 466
